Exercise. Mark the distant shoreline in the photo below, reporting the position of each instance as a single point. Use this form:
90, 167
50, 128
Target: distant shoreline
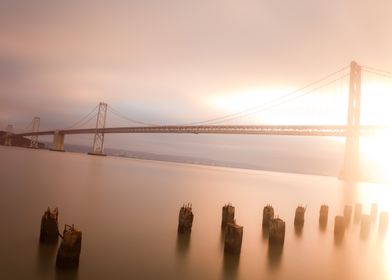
200, 161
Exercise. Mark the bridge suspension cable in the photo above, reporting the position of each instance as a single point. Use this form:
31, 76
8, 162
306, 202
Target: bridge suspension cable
255, 109
377, 71
378, 74
85, 119
376, 94
26, 129
292, 98
272, 103
122, 116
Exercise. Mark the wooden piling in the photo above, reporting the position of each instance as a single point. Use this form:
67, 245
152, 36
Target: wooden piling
357, 212
299, 219
70, 247
228, 212
185, 219
277, 230
268, 215
49, 226
383, 223
339, 226
373, 212
347, 214
323, 218
365, 225
233, 238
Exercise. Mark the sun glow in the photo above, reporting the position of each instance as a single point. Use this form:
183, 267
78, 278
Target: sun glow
376, 99
276, 106
376, 155
381, 195
242, 99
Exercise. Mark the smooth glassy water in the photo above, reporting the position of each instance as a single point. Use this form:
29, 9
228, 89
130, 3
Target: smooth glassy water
128, 212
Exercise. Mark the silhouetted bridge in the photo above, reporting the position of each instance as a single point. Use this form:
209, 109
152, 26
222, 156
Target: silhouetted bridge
351, 131
295, 130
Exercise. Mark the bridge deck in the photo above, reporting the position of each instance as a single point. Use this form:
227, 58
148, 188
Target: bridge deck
326, 130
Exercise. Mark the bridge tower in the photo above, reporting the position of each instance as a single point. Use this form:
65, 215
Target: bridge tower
34, 138
8, 135
351, 159
99, 133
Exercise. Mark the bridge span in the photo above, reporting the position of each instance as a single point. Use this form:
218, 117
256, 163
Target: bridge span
351, 131
294, 130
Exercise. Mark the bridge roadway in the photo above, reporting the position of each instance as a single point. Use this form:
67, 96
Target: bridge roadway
299, 130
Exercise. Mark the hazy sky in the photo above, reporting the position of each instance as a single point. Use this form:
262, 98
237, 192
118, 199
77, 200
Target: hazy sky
176, 61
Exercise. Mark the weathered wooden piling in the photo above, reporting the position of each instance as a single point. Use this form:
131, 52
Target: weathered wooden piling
383, 223
347, 214
339, 226
185, 219
69, 251
357, 212
49, 226
373, 212
268, 215
228, 212
365, 225
233, 238
323, 218
277, 230
299, 219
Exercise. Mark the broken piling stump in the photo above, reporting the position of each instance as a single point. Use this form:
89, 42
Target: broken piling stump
69, 251
277, 230
339, 226
357, 212
233, 238
383, 223
268, 215
365, 225
185, 219
347, 214
373, 212
49, 226
323, 218
228, 212
299, 219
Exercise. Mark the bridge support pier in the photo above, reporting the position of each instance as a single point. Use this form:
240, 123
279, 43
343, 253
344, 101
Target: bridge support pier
351, 159
8, 136
8, 141
58, 142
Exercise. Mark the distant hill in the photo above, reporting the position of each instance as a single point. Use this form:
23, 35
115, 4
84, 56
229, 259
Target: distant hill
19, 141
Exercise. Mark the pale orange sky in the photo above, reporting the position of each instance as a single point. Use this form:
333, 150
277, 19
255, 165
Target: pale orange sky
176, 61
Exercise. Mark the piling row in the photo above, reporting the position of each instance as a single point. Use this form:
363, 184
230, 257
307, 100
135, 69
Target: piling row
276, 226
365, 220
69, 251
71, 243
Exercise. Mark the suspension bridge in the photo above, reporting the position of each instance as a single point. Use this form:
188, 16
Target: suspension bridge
352, 129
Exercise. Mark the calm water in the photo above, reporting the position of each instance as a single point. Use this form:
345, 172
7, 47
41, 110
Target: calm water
128, 209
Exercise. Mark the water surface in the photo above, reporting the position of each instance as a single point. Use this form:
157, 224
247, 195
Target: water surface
128, 209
